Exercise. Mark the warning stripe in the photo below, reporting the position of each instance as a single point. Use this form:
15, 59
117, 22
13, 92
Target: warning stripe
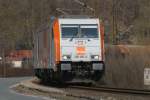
102, 40
56, 40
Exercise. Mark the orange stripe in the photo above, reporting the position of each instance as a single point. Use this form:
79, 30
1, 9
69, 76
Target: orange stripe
102, 39
56, 40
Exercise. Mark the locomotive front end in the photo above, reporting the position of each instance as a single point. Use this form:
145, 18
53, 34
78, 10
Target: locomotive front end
81, 48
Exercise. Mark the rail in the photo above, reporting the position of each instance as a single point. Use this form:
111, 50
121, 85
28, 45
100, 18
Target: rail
114, 90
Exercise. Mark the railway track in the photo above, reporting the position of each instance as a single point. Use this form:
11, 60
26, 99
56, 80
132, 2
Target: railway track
114, 90
106, 89
80, 91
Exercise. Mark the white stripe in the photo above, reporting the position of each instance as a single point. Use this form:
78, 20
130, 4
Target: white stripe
69, 26
88, 26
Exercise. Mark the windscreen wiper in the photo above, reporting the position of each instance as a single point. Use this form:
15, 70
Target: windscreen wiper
73, 36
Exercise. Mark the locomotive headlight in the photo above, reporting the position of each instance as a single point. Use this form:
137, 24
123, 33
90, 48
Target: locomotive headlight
95, 57
66, 57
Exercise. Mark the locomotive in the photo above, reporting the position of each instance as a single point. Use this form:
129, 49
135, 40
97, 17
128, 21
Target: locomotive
69, 48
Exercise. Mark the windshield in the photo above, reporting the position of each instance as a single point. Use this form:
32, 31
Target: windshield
89, 32
79, 31
69, 31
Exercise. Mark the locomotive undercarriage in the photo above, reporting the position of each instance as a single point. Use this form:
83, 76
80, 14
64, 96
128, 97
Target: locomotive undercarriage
67, 71
84, 70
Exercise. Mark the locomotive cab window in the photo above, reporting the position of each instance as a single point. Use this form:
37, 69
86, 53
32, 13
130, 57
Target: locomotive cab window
69, 31
89, 31
79, 31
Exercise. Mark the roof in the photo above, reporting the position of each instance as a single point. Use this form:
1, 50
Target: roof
75, 16
79, 21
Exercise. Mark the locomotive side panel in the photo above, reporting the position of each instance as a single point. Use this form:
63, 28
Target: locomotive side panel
35, 51
42, 50
43, 53
52, 49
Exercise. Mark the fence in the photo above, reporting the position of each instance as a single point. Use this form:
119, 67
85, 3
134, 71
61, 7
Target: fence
7, 70
15, 72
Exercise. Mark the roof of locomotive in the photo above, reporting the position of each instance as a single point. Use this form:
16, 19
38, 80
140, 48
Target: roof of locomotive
78, 20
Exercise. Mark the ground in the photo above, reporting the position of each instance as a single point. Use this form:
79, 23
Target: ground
33, 87
7, 94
